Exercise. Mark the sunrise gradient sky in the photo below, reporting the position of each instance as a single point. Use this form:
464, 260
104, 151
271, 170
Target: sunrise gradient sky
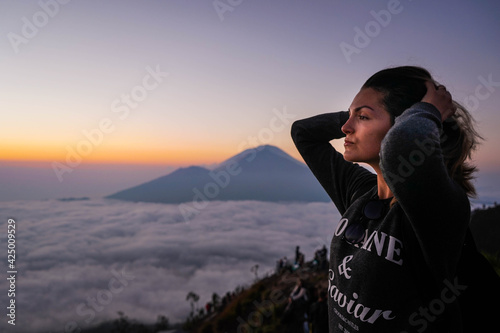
137, 89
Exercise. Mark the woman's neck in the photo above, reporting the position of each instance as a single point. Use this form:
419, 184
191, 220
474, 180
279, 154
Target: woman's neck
384, 192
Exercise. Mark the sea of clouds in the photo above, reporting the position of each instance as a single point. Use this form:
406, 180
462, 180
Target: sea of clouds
80, 262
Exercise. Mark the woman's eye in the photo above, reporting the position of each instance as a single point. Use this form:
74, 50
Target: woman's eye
362, 117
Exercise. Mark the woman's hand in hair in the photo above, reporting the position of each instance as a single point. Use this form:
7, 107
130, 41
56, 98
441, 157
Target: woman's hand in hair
440, 98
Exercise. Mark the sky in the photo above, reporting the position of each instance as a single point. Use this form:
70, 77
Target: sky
81, 262
97, 96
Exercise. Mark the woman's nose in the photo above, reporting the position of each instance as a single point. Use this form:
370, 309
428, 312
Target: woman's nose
347, 128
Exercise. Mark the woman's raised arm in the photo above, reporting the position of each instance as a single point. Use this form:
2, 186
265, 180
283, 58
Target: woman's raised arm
343, 181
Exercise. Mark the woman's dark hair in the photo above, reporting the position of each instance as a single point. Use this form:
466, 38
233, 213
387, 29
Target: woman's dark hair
404, 86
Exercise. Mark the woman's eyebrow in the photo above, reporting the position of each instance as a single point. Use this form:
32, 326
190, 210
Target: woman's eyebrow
361, 107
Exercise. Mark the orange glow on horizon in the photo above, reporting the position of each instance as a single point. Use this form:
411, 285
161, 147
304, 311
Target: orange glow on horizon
115, 155
43, 155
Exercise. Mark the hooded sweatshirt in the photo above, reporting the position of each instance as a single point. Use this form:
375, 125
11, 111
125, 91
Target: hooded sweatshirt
401, 277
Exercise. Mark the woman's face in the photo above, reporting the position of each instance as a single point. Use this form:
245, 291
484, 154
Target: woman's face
367, 125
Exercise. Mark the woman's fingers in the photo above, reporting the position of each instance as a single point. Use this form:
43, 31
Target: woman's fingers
440, 98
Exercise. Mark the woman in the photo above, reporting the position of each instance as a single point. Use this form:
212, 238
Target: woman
396, 248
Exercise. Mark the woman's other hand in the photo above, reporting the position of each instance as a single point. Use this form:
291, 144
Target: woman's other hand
441, 99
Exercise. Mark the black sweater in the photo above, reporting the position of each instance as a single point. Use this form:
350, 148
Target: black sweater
401, 278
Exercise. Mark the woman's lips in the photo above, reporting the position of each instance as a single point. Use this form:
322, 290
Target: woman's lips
348, 143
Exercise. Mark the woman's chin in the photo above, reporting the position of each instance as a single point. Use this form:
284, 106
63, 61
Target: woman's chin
348, 157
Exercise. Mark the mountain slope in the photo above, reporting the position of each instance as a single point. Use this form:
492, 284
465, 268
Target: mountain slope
265, 173
172, 188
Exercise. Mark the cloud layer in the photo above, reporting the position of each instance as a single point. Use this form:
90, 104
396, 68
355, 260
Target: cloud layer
81, 262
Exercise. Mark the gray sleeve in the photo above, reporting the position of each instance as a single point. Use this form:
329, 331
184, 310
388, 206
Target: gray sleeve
437, 207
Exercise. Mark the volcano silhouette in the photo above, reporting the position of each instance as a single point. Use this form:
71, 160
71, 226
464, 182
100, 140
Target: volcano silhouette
265, 173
